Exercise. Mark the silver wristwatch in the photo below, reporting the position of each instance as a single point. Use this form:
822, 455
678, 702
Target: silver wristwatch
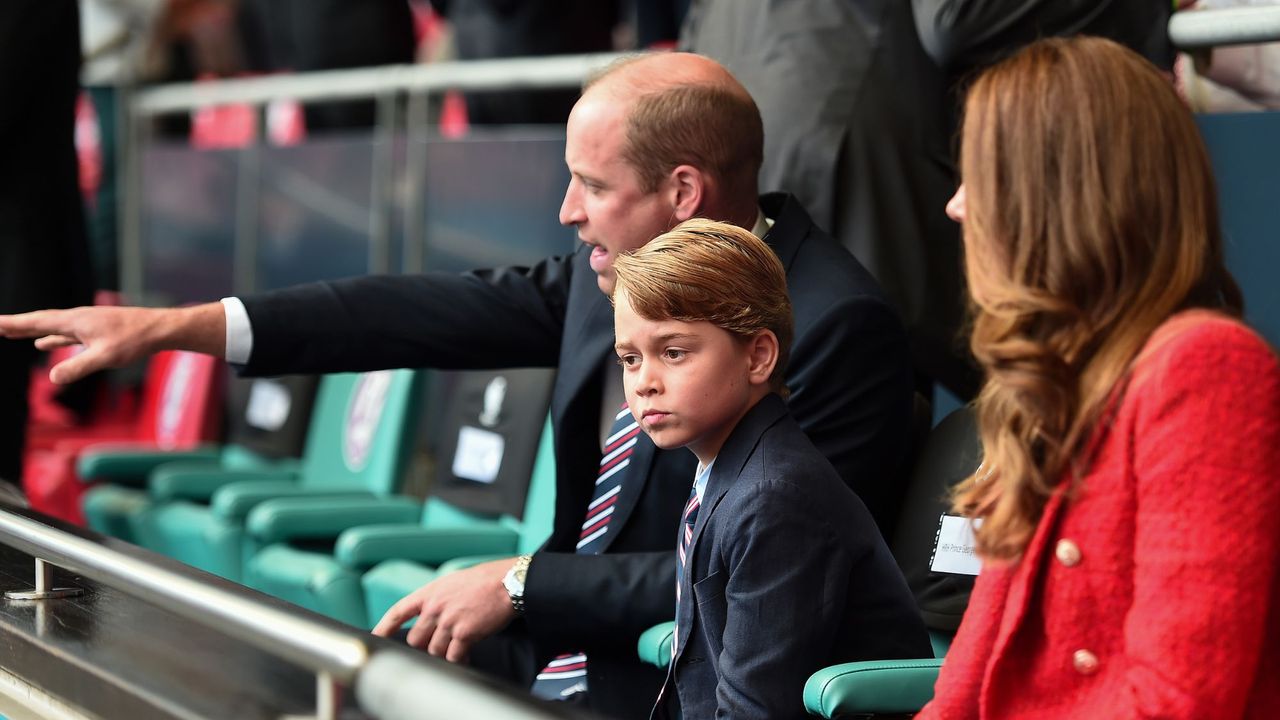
514, 582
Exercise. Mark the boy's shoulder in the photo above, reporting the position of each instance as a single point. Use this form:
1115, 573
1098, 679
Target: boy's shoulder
783, 470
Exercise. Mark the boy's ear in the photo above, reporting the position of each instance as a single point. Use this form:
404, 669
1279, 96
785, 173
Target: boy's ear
687, 188
762, 355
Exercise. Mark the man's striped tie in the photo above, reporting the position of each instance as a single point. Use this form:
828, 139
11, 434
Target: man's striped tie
567, 674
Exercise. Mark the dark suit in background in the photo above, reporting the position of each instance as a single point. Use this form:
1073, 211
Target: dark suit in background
856, 126
859, 123
963, 35
851, 392
484, 29
44, 254
309, 35
785, 576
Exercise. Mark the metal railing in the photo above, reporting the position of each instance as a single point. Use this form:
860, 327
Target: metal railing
339, 658
393, 86
1194, 29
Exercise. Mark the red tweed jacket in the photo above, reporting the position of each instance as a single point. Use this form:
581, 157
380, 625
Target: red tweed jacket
1153, 592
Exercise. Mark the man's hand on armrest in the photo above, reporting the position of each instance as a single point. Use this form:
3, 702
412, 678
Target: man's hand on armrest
115, 336
454, 612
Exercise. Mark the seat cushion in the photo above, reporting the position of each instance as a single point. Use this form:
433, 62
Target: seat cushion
308, 578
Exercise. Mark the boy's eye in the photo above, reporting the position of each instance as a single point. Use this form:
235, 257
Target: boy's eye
627, 361
674, 354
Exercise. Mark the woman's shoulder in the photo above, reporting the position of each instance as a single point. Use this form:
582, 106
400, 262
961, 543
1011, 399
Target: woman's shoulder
1207, 344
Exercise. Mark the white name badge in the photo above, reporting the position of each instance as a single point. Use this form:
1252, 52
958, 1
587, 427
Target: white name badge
954, 549
479, 454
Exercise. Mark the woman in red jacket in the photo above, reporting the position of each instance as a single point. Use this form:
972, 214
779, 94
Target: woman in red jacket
1130, 491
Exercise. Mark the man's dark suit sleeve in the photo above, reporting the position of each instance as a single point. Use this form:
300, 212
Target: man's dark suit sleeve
570, 599
851, 390
507, 317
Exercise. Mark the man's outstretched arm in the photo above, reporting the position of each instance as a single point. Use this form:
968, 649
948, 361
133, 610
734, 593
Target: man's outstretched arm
115, 336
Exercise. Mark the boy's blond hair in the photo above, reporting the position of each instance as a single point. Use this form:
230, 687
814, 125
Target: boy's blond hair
712, 271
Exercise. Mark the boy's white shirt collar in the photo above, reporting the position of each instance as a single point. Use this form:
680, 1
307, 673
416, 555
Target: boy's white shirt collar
700, 479
762, 226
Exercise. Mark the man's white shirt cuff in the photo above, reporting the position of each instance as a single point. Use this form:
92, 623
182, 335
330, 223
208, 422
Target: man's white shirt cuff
239, 332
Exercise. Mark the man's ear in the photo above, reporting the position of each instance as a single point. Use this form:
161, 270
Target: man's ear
687, 188
762, 357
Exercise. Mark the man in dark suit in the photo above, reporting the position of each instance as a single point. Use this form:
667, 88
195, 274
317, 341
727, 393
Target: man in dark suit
44, 255
650, 144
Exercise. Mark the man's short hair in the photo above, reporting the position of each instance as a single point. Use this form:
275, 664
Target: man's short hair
712, 271
715, 128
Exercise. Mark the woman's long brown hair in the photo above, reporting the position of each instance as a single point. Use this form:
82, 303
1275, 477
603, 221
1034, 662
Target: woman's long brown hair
1092, 217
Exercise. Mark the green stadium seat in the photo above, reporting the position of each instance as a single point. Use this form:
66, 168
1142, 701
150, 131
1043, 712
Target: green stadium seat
267, 418
314, 552
358, 447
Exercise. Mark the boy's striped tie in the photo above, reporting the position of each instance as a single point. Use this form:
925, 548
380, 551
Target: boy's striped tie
567, 674
682, 550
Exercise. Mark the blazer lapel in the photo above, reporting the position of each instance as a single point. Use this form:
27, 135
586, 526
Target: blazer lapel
737, 449
1025, 577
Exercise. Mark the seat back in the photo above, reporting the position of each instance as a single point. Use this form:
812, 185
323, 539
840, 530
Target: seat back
951, 453
361, 431
181, 400
268, 417
489, 439
540, 505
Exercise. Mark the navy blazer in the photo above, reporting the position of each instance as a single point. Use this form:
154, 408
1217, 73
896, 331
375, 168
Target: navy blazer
849, 375
786, 575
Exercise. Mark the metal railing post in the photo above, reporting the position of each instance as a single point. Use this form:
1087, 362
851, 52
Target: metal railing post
382, 184
44, 589
245, 245
417, 135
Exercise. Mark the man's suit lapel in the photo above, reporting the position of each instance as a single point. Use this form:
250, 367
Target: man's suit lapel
791, 225
725, 473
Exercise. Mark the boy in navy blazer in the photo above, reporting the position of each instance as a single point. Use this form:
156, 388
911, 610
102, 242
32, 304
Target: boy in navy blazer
781, 569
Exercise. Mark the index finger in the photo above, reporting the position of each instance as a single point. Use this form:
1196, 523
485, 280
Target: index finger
395, 618
33, 324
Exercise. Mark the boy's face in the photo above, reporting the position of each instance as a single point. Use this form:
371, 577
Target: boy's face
689, 383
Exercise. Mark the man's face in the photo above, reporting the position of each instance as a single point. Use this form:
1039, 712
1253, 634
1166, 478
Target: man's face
687, 383
604, 200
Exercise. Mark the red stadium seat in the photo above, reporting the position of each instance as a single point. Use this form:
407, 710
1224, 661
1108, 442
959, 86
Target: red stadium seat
181, 408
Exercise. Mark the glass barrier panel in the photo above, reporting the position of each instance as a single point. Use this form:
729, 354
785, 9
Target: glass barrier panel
187, 222
314, 210
493, 198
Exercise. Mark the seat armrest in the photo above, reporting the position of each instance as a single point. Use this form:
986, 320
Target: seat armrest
871, 687
233, 502
655, 644
199, 481
300, 518
366, 546
130, 465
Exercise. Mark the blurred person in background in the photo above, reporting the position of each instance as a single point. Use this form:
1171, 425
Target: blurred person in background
486, 29
1130, 421
44, 254
116, 40
859, 98
308, 35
